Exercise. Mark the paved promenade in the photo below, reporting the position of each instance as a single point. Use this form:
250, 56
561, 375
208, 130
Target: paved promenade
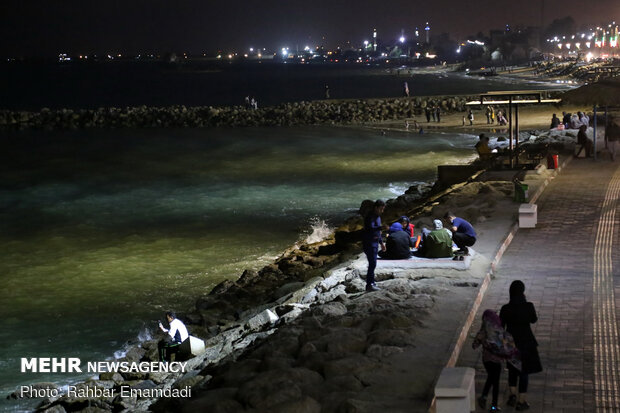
570, 264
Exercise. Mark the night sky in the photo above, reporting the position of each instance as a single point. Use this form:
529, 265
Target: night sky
45, 28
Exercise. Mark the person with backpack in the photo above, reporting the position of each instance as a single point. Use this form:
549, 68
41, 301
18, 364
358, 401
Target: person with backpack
497, 346
517, 316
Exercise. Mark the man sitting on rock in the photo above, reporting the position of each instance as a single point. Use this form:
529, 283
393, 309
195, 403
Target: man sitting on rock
463, 233
436, 243
398, 243
176, 335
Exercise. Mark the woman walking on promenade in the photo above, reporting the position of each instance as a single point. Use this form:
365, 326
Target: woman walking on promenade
497, 346
517, 316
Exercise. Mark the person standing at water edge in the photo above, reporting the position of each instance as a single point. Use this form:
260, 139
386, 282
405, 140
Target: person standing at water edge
517, 316
463, 233
176, 335
371, 241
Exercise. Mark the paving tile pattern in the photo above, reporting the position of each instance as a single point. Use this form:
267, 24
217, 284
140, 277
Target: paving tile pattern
556, 261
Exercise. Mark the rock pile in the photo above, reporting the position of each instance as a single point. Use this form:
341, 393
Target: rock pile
325, 360
316, 341
286, 114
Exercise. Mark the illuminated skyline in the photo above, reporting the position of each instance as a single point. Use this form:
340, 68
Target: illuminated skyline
37, 28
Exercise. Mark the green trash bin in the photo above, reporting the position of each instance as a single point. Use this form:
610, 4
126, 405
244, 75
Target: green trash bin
521, 192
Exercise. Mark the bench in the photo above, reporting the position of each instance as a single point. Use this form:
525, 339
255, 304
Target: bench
455, 391
528, 215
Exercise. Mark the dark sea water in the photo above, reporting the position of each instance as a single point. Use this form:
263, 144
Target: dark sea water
85, 85
101, 231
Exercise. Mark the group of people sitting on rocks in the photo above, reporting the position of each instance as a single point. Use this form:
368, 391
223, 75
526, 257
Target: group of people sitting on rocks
401, 243
570, 121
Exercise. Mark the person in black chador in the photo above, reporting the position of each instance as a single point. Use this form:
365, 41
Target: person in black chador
517, 316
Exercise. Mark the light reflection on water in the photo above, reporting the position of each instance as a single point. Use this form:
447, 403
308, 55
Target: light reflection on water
102, 231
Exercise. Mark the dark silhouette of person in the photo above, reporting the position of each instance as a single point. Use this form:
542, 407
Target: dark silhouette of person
584, 141
555, 121
371, 239
516, 317
398, 244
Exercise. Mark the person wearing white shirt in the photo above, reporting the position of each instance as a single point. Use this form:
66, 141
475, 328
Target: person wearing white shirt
584, 119
177, 333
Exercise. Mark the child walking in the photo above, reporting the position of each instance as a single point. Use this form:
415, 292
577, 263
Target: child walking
497, 346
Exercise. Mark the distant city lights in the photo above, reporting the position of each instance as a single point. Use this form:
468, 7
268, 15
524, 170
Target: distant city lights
594, 43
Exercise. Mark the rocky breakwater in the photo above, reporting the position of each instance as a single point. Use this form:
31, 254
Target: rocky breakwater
301, 334
286, 114
339, 349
